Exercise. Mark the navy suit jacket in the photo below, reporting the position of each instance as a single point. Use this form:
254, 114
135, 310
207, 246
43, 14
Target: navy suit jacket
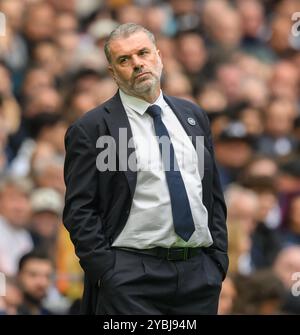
97, 204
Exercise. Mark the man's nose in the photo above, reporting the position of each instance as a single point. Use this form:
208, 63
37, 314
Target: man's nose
136, 62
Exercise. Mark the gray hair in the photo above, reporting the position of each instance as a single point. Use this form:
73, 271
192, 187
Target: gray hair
125, 30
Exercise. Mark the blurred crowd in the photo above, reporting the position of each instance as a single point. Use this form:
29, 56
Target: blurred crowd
237, 59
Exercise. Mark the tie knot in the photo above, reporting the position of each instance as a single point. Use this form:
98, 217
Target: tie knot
154, 111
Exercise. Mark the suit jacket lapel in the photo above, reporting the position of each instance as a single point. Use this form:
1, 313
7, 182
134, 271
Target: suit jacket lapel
117, 120
183, 115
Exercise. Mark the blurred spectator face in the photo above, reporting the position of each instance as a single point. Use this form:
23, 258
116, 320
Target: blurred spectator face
242, 208
288, 183
183, 7
64, 6
296, 62
67, 37
177, 84
155, 18
239, 245
285, 80
3, 125
227, 296
13, 298
10, 116
267, 201
55, 136
80, 103
35, 279
5, 82
255, 91
43, 151
211, 98
47, 100
262, 167
47, 56
66, 23
47, 207
167, 48
128, 72
279, 118
252, 17
103, 90
172, 66
36, 79
14, 11
68, 43
49, 174
229, 78
47, 167
86, 82
211, 10
100, 30
252, 67
191, 52
252, 120
39, 21
244, 212
130, 13
263, 294
286, 264
296, 132
294, 215
226, 29
286, 8
45, 224
233, 153
15, 206
281, 30
3, 141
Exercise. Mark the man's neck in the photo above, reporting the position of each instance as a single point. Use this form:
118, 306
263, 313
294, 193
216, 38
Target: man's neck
150, 97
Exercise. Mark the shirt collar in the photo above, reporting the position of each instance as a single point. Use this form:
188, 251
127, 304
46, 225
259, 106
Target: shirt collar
138, 105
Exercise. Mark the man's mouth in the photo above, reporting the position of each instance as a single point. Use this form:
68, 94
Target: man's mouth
141, 74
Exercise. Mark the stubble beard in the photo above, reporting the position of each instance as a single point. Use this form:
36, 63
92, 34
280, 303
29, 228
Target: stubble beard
144, 87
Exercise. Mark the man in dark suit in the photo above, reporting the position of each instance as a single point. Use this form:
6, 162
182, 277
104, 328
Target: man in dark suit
148, 223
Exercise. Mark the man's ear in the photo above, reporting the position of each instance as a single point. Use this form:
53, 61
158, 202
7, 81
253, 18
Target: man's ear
111, 71
159, 54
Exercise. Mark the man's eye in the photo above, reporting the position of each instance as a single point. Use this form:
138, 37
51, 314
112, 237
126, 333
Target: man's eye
143, 52
123, 60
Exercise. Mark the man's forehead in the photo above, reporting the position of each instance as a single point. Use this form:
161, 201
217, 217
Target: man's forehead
37, 262
126, 45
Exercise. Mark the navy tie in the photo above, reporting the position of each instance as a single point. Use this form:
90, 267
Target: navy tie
181, 210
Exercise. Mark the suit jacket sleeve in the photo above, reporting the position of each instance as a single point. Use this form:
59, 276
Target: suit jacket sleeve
81, 216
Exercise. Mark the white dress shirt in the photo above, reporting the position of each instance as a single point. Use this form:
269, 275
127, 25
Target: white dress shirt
150, 222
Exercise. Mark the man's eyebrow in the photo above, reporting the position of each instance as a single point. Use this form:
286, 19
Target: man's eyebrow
143, 49
126, 56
